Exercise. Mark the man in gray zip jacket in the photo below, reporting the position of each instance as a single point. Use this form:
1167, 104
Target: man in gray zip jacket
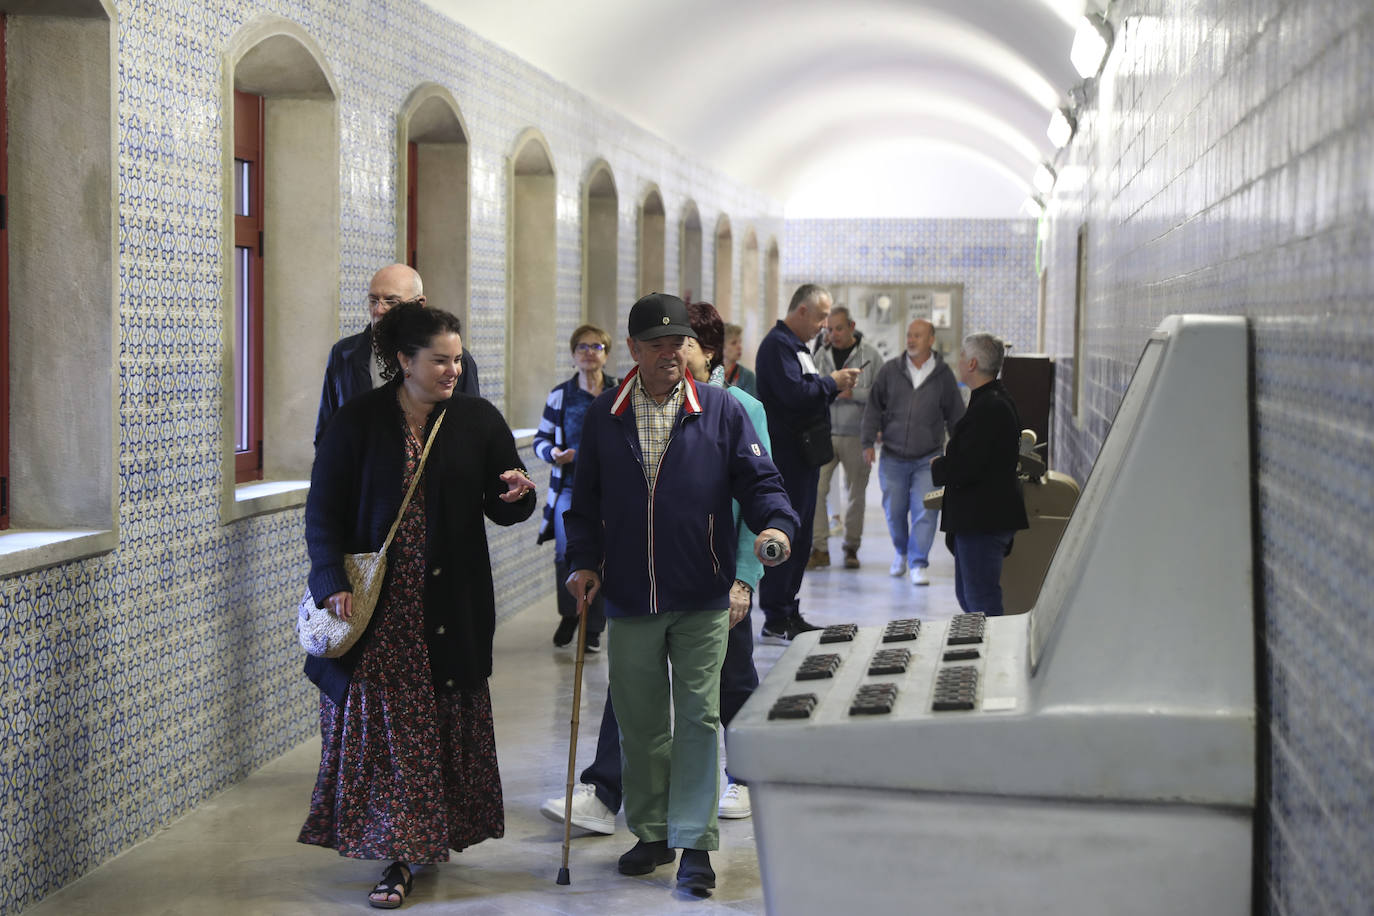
845, 350
914, 402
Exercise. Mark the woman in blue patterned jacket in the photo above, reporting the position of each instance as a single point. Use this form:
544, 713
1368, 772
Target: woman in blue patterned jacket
556, 441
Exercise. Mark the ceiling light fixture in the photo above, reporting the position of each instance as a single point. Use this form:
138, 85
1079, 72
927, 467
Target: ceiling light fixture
1033, 207
1091, 42
1062, 126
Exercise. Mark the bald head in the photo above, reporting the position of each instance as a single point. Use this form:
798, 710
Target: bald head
392, 285
920, 339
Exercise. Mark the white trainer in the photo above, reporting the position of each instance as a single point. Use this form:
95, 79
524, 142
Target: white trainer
734, 802
918, 576
898, 567
587, 810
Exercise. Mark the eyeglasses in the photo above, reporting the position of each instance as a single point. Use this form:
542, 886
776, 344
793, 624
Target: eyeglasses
590, 347
389, 301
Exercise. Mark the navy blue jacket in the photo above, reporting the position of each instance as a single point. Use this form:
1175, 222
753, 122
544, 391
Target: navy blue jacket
792, 398
672, 549
347, 375
355, 493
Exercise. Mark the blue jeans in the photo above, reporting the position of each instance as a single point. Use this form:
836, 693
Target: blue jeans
978, 559
905, 483
567, 604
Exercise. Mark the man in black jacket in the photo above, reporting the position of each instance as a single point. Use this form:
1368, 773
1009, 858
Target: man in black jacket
983, 507
351, 370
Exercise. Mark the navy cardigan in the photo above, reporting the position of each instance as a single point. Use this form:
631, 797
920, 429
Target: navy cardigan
355, 493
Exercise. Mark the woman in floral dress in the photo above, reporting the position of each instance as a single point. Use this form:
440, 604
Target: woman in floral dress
408, 768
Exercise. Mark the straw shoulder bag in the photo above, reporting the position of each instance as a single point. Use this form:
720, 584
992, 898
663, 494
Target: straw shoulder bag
318, 630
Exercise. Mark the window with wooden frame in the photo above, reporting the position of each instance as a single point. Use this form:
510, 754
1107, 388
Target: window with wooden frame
4, 296
248, 304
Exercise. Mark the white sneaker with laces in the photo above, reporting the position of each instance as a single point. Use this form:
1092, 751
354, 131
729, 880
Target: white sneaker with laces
918, 576
898, 567
587, 810
734, 802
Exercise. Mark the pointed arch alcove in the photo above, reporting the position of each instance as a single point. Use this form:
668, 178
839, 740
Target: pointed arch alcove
750, 308
600, 248
276, 65
772, 267
724, 263
432, 215
530, 279
652, 231
689, 251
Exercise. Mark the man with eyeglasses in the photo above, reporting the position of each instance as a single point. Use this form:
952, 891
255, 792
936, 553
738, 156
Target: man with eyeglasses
351, 370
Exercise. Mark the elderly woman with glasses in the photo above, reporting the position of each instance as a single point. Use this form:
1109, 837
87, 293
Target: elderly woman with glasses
556, 441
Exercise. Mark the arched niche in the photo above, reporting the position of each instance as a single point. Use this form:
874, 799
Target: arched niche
279, 61
689, 248
652, 242
532, 310
432, 211
750, 309
600, 247
724, 262
772, 272
61, 271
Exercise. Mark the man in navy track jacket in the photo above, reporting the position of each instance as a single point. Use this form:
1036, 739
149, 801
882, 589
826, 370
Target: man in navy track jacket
651, 525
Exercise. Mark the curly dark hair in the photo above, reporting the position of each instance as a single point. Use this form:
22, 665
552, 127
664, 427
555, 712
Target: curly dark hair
408, 328
710, 330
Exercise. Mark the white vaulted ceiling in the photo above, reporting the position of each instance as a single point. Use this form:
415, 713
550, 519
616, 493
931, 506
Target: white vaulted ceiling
834, 107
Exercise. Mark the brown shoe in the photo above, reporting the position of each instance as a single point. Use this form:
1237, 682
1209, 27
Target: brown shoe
851, 558
818, 559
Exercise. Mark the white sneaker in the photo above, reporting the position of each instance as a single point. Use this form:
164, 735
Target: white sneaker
734, 801
898, 567
918, 576
587, 810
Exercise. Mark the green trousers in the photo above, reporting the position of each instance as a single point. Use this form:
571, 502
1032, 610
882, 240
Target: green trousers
669, 756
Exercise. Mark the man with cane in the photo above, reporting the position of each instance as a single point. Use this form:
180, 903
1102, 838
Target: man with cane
651, 523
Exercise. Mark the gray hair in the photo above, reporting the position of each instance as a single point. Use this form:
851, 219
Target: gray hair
807, 294
987, 349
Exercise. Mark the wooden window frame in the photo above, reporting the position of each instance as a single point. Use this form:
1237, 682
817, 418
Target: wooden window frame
4, 292
249, 111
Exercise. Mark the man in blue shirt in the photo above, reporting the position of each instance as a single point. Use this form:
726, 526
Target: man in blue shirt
796, 397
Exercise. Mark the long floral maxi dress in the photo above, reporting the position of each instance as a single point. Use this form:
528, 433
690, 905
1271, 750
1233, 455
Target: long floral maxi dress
406, 771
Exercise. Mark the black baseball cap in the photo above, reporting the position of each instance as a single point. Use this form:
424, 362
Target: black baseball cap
660, 315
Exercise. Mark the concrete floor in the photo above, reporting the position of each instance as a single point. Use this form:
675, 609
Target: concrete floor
237, 853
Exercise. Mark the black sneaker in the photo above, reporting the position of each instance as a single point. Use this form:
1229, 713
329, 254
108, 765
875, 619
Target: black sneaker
645, 857
797, 625
593, 642
771, 637
567, 629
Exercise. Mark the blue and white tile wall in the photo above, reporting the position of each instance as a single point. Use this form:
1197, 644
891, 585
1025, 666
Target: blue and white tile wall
1224, 166
135, 685
993, 258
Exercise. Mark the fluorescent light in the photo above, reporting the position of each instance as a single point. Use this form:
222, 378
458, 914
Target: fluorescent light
1061, 128
1089, 46
1043, 179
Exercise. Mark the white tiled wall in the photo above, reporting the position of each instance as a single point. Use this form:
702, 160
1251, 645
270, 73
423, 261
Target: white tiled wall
1227, 166
137, 684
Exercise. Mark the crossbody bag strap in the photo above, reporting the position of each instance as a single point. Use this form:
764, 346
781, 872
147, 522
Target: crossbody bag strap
434, 431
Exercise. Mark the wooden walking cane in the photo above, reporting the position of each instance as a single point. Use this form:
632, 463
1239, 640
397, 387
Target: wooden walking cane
563, 877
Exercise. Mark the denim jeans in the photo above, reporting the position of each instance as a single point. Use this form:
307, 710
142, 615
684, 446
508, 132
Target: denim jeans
978, 559
905, 483
567, 604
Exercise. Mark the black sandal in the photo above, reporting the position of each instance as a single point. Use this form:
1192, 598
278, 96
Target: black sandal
395, 881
